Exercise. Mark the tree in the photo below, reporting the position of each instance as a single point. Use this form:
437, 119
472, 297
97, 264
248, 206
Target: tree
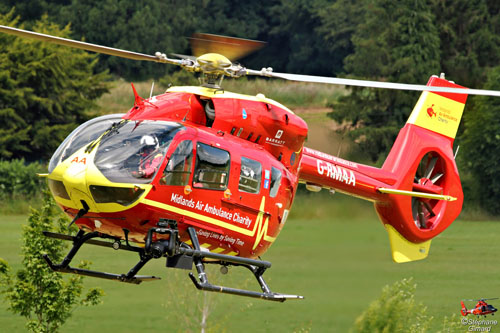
295, 44
245, 19
339, 22
481, 145
139, 26
150, 26
45, 91
396, 41
35, 292
469, 34
32, 11
470, 38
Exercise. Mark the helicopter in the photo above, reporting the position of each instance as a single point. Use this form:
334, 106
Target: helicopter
481, 309
199, 175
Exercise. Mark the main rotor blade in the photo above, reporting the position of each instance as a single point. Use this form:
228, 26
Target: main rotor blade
371, 84
78, 44
232, 48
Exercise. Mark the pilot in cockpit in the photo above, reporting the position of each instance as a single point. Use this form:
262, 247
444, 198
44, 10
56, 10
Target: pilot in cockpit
150, 157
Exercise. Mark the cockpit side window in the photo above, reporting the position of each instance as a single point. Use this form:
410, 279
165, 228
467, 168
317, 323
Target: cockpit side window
250, 175
275, 182
179, 166
212, 167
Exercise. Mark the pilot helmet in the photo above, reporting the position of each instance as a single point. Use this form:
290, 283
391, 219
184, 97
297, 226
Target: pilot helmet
149, 143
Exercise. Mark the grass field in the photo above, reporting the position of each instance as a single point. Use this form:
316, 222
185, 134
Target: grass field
333, 251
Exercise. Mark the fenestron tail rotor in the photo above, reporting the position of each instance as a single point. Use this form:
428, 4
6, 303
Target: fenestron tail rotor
428, 178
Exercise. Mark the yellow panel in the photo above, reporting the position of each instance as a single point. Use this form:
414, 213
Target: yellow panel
437, 113
78, 176
218, 250
403, 250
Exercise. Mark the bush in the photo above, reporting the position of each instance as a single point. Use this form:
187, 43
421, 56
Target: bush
396, 311
20, 186
19, 179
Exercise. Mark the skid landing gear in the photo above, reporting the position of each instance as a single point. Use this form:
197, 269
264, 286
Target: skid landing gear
178, 254
81, 238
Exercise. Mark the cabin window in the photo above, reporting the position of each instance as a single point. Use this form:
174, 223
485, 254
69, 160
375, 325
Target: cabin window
275, 182
250, 175
179, 166
212, 167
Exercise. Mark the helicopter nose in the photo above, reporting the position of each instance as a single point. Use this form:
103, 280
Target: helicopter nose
75, 181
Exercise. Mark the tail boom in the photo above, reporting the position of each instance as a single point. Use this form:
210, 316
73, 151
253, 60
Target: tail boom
354, 179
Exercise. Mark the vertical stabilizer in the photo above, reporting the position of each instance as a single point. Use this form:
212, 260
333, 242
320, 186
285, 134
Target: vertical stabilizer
463, 311
439, 112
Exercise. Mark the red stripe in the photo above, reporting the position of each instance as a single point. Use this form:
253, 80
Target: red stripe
435, 81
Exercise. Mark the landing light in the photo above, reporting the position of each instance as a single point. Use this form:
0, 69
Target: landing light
58, 189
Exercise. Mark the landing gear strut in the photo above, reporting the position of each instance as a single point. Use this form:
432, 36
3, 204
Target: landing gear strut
178, 254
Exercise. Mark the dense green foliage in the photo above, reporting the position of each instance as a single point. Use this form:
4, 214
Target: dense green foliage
45, 92
165, 26
20, 180
144, 27
481, 141
35, 292
20, 185
469, 31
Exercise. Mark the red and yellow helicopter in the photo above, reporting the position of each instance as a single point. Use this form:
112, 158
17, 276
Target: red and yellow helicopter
205, 176
481, 309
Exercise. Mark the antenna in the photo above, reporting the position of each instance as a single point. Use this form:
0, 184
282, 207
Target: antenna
152, 87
